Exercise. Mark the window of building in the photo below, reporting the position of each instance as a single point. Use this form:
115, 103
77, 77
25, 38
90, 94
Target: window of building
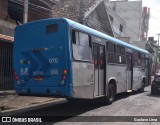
111, 18
121, 28
111, 52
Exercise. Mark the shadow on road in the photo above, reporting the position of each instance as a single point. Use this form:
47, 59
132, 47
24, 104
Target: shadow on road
155, 95
126, 94
73, 108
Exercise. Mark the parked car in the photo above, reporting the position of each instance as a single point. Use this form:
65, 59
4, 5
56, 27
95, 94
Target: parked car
158, 72
155, 87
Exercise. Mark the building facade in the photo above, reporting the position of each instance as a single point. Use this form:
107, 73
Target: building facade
118, 24
12, 11
92, 13
136, 18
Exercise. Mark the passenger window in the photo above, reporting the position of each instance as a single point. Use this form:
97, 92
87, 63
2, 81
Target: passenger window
111, 55
137, 61
142, 58
121, 58
81, 46
84, 39
75, 37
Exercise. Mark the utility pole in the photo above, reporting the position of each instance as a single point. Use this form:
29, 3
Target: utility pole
81, 12
25, 11
157, 54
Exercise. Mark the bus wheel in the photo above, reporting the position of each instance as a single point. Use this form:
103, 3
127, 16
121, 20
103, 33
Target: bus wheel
142, 87
72, 100
111, 93
153, 92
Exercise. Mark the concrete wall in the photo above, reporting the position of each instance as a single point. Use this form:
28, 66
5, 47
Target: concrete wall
7, 28
116, 22
99, 19
7, 25
141, 44
131, 12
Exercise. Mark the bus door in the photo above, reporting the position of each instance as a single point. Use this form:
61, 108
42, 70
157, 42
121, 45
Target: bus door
99, 69
129, 70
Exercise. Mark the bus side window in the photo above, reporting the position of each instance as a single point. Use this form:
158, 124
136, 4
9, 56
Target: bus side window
81, 46
75, 37
142, 61
137, 61
111, 52
84, 39
121, 58
90, 42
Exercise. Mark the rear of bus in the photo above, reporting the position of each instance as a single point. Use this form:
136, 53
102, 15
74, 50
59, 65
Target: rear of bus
41, 58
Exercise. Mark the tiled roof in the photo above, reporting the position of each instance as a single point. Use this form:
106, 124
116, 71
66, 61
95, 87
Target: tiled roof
73, 9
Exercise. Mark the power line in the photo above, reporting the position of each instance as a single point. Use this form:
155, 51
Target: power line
31, 7
20, 2
103, 26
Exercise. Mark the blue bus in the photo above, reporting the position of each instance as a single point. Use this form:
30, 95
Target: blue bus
61, 57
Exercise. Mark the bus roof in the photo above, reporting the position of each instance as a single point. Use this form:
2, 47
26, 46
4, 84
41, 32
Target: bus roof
104, 36
91, 31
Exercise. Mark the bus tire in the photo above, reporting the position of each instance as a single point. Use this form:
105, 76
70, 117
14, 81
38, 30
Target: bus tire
142, 87
72, 100
111, 93
153, 92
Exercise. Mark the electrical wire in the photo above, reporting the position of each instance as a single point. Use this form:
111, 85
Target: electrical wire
20, 2
104, 27
31, 7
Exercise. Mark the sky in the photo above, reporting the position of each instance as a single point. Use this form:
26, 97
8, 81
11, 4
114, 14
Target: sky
154, 22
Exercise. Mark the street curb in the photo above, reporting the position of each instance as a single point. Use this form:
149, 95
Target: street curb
32, 107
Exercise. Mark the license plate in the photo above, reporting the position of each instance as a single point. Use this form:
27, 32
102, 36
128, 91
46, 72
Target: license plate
38, 78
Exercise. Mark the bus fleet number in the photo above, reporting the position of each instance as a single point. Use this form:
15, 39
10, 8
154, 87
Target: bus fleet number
53, 60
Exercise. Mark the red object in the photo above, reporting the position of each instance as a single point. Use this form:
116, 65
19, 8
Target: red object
38, 78
16, 76
65, 72
64, 77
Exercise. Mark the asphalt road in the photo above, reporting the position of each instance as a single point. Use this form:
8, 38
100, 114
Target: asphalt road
126, 104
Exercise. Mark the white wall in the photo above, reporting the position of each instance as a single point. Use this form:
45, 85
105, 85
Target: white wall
131, 12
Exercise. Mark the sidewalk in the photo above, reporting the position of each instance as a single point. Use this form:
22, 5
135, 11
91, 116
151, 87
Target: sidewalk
10, 102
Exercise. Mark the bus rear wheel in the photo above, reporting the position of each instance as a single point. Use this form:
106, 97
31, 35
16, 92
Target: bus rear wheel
111, 93
142, 87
